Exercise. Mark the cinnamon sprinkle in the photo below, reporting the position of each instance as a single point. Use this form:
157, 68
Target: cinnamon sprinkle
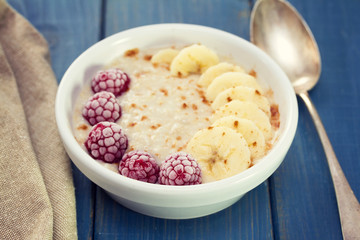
82, 127
236, 123
131, 52
147, 57
275, 116
252, 73
132, 124
154, 127
164, 91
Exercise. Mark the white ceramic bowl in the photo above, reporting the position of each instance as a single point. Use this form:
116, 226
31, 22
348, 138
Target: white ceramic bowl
176, 202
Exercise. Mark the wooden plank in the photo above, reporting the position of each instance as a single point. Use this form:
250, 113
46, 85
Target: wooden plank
70, 28
231, 16
247, 219
250, 218
302, 191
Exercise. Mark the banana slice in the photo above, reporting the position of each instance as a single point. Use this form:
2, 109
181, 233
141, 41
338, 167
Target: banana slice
220, 151
247, 110
243, 94
252, 134
164, 56
193, 59
228, 80
212, 72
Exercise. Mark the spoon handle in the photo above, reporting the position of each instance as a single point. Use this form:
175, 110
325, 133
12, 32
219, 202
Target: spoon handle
349, 207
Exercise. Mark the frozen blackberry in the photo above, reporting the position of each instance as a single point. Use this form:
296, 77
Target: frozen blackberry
139, 165
106, 142
102, 106
111, 80
180, 169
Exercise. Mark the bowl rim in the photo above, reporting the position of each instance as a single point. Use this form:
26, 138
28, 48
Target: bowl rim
258, 172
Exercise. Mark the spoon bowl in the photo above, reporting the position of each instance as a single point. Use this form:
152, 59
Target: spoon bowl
278, 29
290, 43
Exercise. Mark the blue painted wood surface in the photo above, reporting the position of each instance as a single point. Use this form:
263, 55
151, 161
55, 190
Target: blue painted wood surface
298, 201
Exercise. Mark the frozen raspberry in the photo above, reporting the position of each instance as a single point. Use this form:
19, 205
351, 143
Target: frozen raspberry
101, 107
139, 165
111, 80
180, 169
106, 142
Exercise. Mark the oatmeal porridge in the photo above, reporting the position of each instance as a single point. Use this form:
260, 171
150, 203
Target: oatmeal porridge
167, 108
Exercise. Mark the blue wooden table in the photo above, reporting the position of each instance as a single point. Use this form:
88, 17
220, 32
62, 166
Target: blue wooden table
298, 200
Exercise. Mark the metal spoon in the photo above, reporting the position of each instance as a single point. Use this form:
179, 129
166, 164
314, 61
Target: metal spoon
278, 29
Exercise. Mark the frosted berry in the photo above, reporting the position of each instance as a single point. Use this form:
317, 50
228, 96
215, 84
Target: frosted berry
180, 169
112, 80
101, 107
106, 142
139, 165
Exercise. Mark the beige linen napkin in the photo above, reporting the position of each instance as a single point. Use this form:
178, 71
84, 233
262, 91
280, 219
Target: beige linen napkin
36, 187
